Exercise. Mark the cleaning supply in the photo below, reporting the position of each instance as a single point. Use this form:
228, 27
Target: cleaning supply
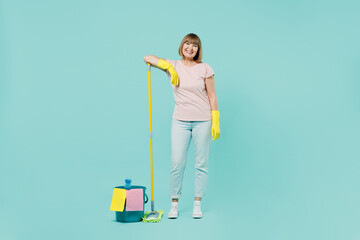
167, 66
150, 218
153, 216
135, 200
215, 128
118, 200
131, 210
127, 184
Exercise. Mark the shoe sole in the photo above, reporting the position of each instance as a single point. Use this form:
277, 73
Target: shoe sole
197, 216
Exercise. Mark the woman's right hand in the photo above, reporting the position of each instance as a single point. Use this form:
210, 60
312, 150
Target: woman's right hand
161, 63
167, 66
174, 77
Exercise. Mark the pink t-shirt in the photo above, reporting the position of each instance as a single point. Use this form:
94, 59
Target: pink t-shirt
191, 99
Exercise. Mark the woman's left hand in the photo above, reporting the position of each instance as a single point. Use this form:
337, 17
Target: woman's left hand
215, 128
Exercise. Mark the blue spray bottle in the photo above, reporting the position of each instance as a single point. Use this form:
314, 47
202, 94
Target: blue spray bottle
127, 184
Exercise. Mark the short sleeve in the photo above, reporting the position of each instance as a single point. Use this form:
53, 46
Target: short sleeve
208, 71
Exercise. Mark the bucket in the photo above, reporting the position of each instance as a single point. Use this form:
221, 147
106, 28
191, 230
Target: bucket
131, 216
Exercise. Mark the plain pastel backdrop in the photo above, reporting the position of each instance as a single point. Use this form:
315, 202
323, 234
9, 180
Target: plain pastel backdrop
74, 117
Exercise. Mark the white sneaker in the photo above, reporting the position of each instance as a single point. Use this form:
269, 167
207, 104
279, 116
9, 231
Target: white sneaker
174, 210
197, 210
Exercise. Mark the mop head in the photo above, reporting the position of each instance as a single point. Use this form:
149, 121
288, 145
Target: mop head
149, 216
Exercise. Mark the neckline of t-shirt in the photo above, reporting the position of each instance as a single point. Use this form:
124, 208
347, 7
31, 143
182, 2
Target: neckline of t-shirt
189, 66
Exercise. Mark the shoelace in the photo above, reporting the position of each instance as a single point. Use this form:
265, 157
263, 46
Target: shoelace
197, 208
174, 207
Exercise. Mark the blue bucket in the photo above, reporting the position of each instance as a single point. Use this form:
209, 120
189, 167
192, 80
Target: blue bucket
131, 216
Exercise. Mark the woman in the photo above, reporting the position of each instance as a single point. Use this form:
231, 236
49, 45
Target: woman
195, 116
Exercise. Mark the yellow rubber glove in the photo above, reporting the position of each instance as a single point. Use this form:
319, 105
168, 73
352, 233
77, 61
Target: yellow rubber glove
215, 128
167, 66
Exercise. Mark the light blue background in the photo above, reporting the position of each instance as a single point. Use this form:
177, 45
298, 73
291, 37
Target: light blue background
74, 117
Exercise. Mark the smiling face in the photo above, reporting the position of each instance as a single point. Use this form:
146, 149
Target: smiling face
190, 50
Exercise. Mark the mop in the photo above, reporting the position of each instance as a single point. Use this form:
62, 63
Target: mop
153, 216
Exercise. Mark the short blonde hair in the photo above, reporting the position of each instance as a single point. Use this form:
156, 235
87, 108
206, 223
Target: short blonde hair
194, 39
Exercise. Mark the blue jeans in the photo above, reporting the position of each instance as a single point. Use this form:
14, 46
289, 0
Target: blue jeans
181, 134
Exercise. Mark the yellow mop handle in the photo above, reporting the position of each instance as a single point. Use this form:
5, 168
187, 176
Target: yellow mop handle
151, 153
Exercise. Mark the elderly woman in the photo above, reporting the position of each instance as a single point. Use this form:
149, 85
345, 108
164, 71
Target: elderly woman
196, 117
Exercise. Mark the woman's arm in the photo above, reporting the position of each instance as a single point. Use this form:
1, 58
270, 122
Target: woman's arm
210, 88
163, 65
153, 60
215, 114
